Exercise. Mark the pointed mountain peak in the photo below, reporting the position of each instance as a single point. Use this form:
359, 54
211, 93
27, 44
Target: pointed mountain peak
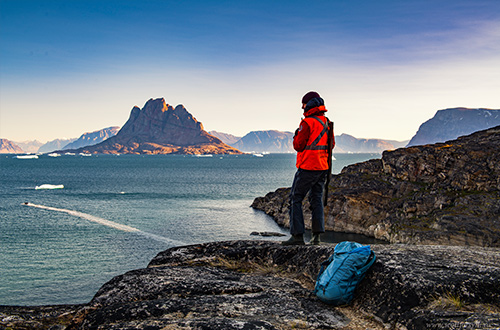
160, 128
155, 106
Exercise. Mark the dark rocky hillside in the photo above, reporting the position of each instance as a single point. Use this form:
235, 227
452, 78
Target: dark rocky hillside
445, 193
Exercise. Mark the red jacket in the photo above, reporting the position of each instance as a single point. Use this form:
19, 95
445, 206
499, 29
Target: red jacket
312, 155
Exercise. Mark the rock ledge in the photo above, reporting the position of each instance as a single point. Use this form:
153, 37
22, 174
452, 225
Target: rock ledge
263, 285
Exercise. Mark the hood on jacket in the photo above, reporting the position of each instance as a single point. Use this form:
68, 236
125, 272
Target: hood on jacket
313, 103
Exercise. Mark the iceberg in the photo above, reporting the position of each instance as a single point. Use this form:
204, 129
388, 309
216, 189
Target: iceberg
49, 186
27, 157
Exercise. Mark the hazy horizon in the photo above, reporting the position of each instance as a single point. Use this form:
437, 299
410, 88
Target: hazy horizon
383, 67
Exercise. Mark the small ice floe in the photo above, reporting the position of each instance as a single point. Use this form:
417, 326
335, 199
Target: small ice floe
204, 155
26, 157
54, 154
258, 155
49, 186
69, 154
84, 154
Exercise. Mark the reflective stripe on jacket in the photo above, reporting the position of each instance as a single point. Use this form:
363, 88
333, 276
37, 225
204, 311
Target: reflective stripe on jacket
314, 157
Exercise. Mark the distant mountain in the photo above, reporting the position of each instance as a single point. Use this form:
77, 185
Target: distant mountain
266, 141
347, 143
282, 142
158, 128
30, 146
449, 124
54, 145
9, 147
225, 137
92, 138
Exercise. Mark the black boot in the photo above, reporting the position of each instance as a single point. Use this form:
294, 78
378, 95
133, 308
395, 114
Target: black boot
294, 240
315, 239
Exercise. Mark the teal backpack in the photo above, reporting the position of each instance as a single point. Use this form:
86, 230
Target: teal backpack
341, 273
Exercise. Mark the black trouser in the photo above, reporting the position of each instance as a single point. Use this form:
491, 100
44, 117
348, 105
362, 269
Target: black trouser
313, 182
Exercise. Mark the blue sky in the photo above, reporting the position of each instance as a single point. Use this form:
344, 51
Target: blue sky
383, 67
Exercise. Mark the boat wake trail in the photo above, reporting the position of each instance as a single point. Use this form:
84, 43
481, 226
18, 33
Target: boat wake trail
108, 223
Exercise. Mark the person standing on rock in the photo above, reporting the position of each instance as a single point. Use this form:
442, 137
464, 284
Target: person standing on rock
311, 141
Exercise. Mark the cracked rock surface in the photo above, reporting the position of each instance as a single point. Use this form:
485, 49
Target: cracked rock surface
264, 285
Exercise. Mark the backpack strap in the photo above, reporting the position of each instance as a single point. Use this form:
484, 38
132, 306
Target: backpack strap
368, 264
314, 144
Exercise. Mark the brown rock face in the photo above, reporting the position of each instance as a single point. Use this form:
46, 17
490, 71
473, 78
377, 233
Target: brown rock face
445, 193
8, 147
158, 128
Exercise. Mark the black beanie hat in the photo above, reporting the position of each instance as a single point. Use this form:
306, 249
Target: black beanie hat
309, 96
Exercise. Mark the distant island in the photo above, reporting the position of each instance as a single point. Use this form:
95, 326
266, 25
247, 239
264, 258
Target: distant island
8, 147
159, 128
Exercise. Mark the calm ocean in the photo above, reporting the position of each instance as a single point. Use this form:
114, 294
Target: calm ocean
115, 213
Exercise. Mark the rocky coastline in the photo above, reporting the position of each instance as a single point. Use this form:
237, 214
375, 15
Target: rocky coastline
445, 193
438, 204
264, 285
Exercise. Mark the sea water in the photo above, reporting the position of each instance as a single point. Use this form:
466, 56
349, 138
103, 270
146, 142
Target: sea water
114, 213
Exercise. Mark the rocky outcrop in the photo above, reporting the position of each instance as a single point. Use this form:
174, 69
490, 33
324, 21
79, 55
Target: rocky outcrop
446, 193
158, 128
92, 138
9, 147
264, 285
449, 124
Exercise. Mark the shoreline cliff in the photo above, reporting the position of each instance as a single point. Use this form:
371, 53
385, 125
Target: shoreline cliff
445, 193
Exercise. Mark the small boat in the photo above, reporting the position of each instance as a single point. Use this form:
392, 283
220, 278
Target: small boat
49, 186
26, 157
